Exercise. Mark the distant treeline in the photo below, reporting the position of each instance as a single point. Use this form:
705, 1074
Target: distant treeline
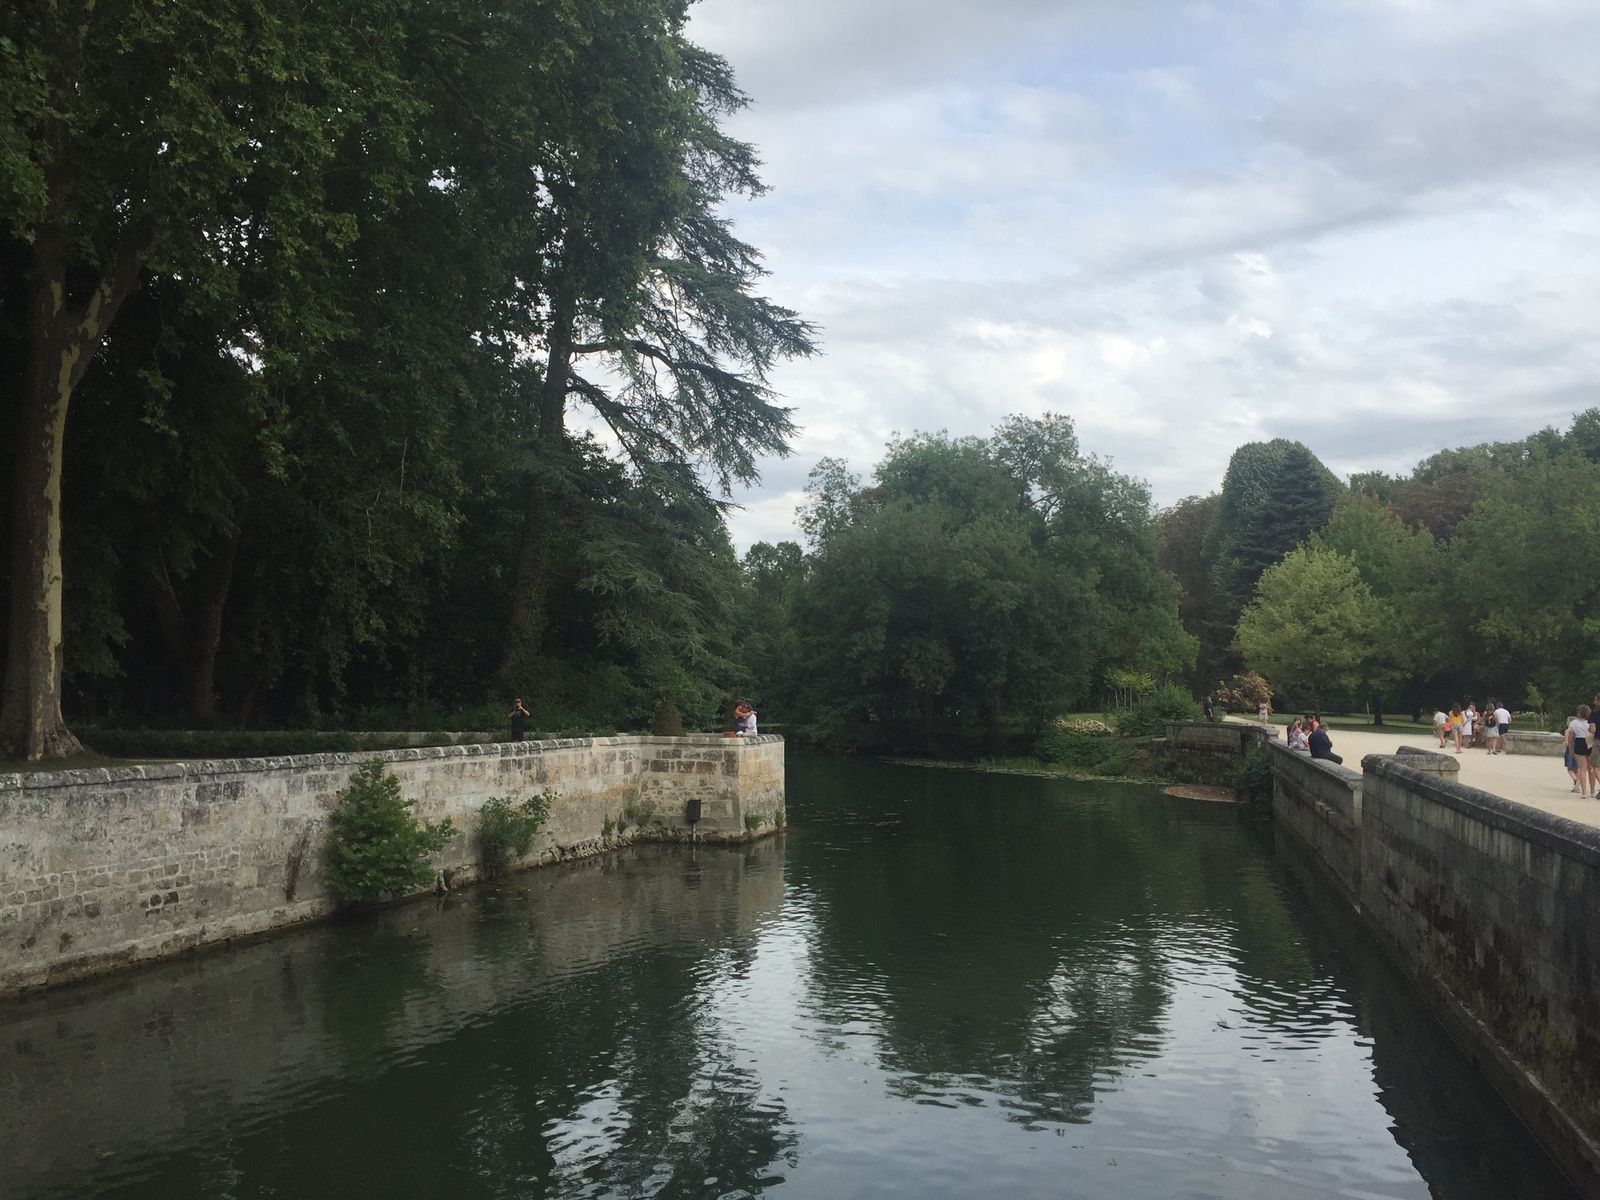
1474, 575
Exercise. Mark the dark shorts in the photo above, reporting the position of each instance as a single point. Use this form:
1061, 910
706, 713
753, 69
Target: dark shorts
1580, 747
1502, 730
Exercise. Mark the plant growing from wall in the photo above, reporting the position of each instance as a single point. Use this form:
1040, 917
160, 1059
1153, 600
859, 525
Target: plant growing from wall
507, 830
375, 845
1253, 783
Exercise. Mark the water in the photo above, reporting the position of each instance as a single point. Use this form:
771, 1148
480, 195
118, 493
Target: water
937, 984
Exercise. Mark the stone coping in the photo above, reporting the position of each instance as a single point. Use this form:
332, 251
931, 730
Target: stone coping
1338, 771
1570, 838
34, 780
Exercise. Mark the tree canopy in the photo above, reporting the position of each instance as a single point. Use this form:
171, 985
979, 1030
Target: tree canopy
319, 284
975, 582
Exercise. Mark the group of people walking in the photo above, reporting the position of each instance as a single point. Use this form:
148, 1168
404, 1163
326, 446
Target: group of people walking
1465, 726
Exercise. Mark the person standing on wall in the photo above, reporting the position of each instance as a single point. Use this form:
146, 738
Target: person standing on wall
1578, 733
519, 721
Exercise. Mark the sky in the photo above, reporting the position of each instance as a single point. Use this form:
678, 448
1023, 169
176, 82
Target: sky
1371, 227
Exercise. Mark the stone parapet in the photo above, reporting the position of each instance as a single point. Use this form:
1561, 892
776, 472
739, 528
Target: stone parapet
110, 866
1546, 745
1319, 804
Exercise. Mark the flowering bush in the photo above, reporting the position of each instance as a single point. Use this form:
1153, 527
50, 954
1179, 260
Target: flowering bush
1084, 725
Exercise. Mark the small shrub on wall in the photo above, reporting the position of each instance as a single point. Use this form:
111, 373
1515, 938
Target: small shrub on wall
1253, 783
375, 845
507, 830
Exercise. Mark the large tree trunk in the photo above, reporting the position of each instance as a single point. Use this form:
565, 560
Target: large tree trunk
525, 629
61, 342
195, 643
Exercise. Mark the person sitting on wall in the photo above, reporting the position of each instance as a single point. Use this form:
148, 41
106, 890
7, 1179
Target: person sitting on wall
519, 721
1320, 744
1297, 735
744, 720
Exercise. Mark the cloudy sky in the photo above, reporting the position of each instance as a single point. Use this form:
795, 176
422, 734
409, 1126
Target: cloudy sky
1372, 226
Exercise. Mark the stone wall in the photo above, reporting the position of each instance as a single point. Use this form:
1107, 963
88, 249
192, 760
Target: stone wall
1319, 804
1213, 751
102, 868
1547, 745
1492, 908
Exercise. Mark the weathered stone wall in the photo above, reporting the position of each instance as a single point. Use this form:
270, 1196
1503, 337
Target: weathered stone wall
1547, 745
1213, 751
106, 867
1494, 908
1319, 804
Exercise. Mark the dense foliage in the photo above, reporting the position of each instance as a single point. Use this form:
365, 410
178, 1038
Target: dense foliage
332, 281
1465, 579
506, 830
375, 845
977, 586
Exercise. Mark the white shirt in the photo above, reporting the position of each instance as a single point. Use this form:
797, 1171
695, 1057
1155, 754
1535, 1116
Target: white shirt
1502, 717
1468, 720
1579, 727
1440, 718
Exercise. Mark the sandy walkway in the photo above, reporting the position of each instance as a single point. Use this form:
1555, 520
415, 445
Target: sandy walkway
1539, 782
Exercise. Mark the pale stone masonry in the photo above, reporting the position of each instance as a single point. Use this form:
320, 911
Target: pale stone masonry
1490, 906
107, 867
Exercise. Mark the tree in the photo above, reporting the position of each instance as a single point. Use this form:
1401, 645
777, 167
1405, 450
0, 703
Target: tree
1273, 496
1184, 527
977, 580
1403, 568
185, 138
648, 289
1312, 625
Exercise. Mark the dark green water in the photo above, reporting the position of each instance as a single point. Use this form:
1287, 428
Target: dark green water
936, 984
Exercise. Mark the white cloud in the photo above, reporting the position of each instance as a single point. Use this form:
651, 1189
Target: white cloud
1371, 226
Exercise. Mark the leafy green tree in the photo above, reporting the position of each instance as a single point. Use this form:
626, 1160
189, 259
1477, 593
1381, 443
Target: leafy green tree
375, 845
976, 581
1404, 569
1526, 588
1273, 496
1312, 625
1184, 527
181, 138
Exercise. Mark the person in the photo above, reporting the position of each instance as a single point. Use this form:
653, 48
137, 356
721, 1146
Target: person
1297, 735
1594, 741
1502, 726
1455, 725
1211, 712
519, 721
1265, 712
1571, 763
1577, 749
1320, 744
1441, 726
744, 720
1469, 723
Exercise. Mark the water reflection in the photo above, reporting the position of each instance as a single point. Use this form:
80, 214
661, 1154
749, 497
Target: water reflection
938, 984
